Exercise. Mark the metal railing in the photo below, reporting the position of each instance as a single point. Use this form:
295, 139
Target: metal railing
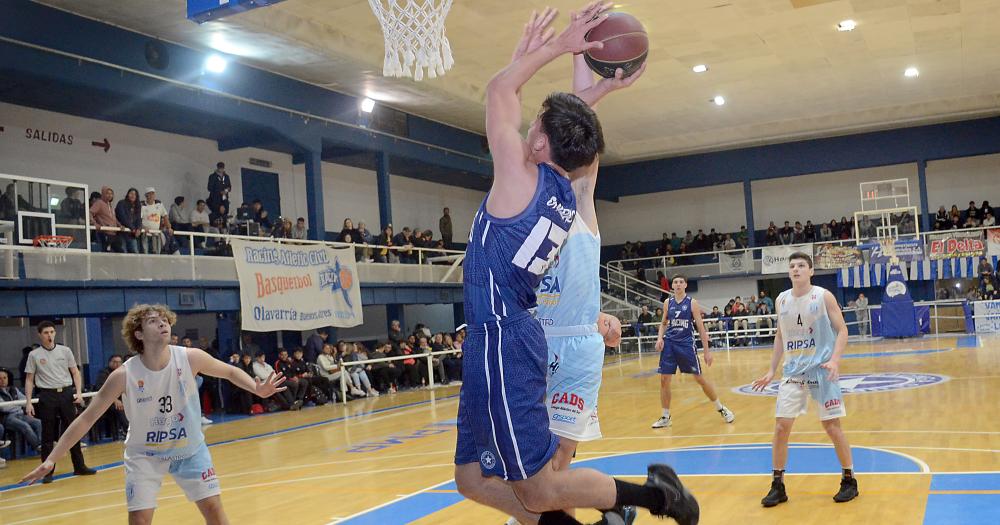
344, 365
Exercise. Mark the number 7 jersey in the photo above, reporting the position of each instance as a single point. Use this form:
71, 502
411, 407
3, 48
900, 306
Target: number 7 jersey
506, 258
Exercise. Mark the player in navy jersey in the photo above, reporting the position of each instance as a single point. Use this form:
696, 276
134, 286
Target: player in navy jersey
681, 313
503, 431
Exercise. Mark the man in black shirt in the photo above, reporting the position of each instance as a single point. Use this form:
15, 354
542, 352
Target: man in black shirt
115, 414
219, 187
296, 385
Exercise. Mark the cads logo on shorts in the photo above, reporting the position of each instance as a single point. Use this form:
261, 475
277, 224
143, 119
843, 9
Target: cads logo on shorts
863, 383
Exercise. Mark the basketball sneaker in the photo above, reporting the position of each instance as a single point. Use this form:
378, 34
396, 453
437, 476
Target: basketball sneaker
620, 516
727, 414
663, 422
848, 490
680, 504
776, 495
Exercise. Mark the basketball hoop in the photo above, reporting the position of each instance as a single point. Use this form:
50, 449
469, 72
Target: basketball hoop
888, 245
414, 37
53, 241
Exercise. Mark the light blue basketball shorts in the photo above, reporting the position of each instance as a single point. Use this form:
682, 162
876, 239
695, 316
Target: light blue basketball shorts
574, 379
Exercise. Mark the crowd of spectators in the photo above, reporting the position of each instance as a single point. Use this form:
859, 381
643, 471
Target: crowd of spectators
971, 217
738, 317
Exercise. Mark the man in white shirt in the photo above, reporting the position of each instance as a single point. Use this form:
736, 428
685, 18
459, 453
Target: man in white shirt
299, 231
262, 371
152, 213
989, 220
200, 220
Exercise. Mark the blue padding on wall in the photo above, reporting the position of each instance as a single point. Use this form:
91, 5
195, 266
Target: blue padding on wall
100, 301
13, 304
53, 302
222, 300
196, 296
149, 296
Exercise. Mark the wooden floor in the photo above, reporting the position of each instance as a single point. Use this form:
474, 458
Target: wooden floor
389, 460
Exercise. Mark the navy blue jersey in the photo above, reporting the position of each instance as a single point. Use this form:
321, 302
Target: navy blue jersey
506, 258
679, 320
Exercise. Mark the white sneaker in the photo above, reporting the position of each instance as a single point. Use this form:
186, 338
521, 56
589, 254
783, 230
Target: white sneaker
205, 421
727, 414
3, 463
512, 521
4, 443
373, 393
663, 422
356, 392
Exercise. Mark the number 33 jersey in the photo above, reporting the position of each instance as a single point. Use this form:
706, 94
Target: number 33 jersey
506, 258
163, 409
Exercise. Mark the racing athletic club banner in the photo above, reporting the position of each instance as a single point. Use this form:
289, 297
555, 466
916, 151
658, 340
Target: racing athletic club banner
289, 287
835, 256
956, 244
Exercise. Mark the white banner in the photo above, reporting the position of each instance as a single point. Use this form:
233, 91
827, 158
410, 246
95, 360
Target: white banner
774, 259
288, 287
736, 262
993, 241
987, 316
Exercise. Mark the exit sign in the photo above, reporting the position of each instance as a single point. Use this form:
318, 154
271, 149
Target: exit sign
202, 11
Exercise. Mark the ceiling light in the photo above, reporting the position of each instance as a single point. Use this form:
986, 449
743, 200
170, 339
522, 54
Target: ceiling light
215, 64
719, 100
700, 68
847, 25
911, 72
367, 105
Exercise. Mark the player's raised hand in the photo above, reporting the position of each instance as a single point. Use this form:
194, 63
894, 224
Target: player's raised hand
833, 370
271, 386
537, 32
40, 472
620, 81
761, 383
572, 39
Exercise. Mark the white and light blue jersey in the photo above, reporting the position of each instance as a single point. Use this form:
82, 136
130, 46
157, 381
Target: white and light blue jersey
805, 331
569, 294
163, 409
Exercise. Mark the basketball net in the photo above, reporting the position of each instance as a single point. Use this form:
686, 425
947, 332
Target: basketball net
889, 249
414, 37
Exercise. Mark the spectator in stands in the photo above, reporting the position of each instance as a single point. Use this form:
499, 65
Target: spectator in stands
297, 386
844, 229
988, 219
751, 304
282, 229
359, 373
985, 266
862, 314
71, 209
785, 235
247, 344
740, 323
102, 217
385, 374
763, 322
771, 237
405, 241
260, 215
825, 232
645, 317
220, 218
329, 369
179, 215
395, 331
128, 211
348, 229
701, 243
412, 374
444, 226
810, 231
972, 211
299, 231
970, 221
954, 213
675, 242
262, 371
300, 368
115, 414
219, 187
241, 400
728, 243
382, 254
453, 362
13, 417
941, 219
989, 284
712, 323
984, 208
743, 237
688, 238
153, 214
201, 222
798, 233
314, 345
763, 298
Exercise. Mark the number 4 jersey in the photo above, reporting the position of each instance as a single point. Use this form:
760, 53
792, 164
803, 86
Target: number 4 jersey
506, 258
163, 409
805, 331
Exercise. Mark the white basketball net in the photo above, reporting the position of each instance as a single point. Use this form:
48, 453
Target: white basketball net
414, 37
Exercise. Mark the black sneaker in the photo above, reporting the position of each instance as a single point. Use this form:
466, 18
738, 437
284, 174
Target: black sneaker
47, 479
620, 515
776, 495
848, 490
85, 471
680, 504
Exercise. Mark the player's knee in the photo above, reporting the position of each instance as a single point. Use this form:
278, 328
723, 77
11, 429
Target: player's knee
469, 484
783, 426
537, 497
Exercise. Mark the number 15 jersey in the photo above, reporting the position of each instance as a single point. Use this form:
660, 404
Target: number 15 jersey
506, 258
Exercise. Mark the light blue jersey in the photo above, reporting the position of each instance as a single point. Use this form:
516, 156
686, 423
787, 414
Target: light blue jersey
570, 293
805, 330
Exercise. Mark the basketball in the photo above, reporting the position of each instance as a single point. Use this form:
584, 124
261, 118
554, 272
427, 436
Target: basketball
625, 45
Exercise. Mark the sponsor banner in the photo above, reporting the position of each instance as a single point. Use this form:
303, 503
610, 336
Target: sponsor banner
956, 244
774, 259
906, 250
835, 256
993, 241
736, 262
288, 287
987, 316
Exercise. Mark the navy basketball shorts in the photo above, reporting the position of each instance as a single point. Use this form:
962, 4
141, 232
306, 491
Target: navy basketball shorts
681, 356
503, 423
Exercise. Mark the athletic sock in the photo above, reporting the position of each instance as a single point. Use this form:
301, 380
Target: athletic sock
666, 413
849, 472
718, 404
557, 517
638, 495
779, 475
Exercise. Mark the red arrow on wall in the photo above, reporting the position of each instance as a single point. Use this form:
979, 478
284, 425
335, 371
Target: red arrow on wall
106, 145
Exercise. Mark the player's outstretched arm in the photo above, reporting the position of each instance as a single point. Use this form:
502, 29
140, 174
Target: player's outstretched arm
840, 327
592, 92
700, 325
203, 363
112, 389
503, 108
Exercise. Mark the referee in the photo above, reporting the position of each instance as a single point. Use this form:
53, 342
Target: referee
52, 373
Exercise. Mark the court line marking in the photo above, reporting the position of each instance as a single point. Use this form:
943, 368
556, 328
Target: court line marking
348, 417
386, 504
